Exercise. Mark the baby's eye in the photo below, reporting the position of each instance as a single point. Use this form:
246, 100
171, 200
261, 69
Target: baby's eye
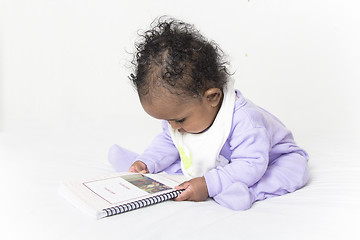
180, 121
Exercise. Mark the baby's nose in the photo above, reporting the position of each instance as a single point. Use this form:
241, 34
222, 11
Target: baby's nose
174, 125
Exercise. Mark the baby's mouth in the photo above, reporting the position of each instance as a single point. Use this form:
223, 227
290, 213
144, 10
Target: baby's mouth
181, 130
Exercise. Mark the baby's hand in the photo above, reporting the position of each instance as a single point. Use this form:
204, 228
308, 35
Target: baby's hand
138, 167
195, 190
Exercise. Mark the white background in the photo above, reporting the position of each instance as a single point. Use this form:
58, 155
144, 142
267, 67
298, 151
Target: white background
65, 98
64, 65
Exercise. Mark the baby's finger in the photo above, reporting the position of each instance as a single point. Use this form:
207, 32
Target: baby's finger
184, 185
185, 195
143, 171
132, 169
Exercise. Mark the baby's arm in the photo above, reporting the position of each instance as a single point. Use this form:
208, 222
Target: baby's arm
229, 185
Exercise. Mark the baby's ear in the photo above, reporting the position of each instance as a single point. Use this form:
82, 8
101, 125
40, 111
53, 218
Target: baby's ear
213, 96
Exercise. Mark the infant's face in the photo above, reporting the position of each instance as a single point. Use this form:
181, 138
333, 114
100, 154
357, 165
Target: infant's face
192, 116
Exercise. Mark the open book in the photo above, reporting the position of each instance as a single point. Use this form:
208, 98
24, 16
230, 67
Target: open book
118, 193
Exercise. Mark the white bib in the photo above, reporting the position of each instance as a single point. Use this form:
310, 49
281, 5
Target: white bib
199, 153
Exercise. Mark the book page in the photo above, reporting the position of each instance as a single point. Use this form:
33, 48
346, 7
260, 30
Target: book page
118, 189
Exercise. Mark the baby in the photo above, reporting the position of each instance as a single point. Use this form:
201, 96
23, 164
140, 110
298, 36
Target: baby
231, 150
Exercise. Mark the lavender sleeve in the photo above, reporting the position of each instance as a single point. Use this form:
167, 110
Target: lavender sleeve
249, 159
161, 153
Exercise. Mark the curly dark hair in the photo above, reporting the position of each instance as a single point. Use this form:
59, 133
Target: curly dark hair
173, 54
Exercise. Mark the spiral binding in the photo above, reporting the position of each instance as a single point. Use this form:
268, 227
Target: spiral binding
141, 203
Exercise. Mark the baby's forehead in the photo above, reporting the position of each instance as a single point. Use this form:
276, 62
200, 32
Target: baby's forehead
161, 95
158, 94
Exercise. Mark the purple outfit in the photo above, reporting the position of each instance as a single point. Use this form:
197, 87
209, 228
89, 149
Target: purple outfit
264, 160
